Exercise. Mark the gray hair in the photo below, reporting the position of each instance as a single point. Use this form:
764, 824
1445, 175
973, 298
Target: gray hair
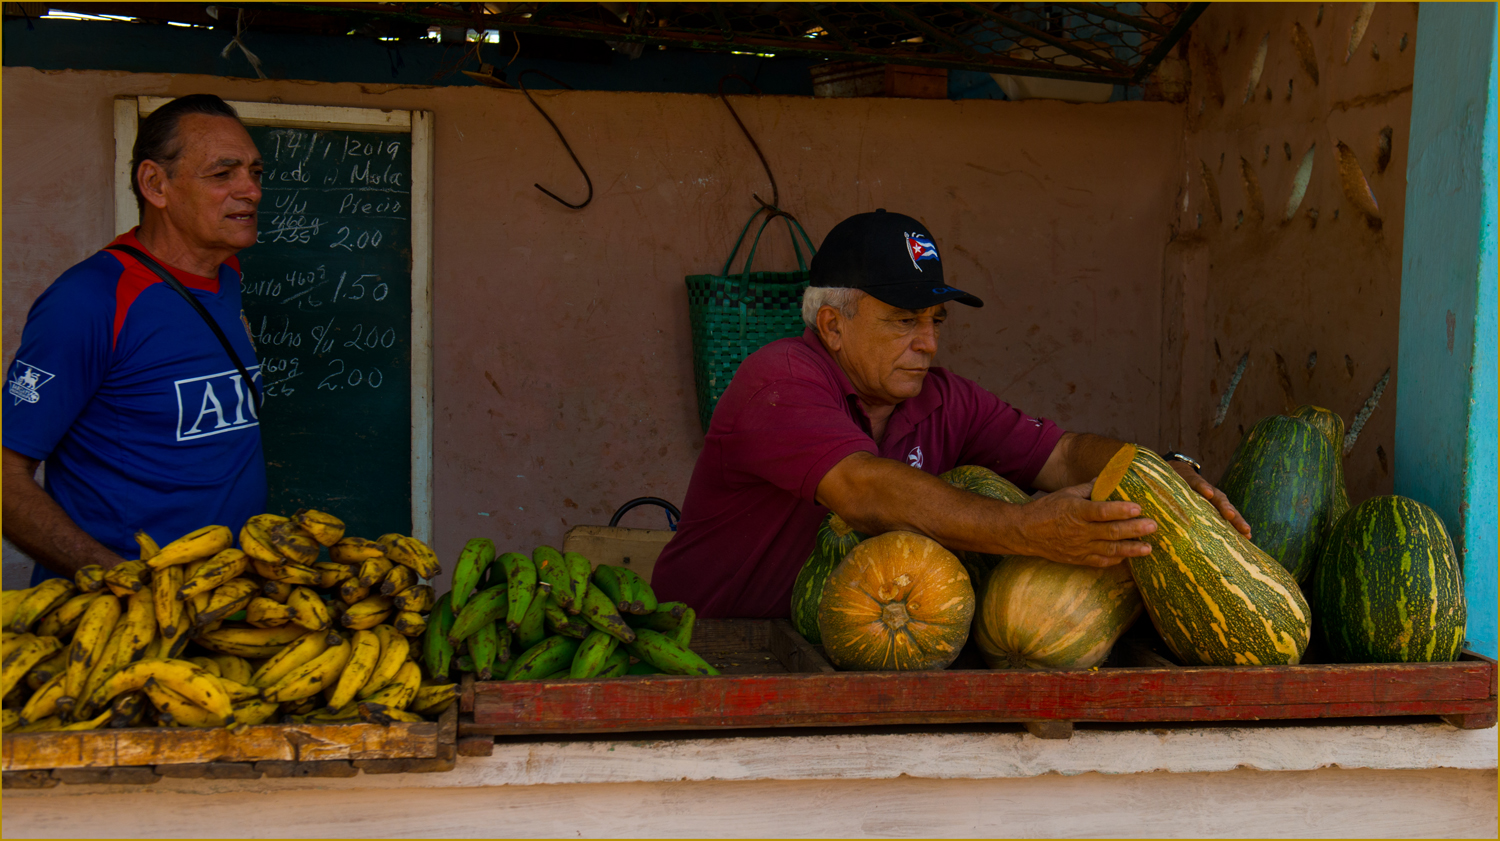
157, 140
843, 299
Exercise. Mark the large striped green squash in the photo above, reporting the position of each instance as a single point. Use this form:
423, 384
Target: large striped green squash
1333, 427
988, 483
985, 482
1039, 614
835, 539
1389, 586
1283, 477
1215, 598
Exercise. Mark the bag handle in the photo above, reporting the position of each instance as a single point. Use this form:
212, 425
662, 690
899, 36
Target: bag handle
146, 260
793, 228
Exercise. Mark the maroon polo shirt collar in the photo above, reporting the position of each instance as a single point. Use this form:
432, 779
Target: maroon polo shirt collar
905, 417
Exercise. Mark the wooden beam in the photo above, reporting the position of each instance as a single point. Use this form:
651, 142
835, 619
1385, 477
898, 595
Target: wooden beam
145, 746
795, 652
812, 12
930, 30
1179, 29
1100, 10
1050, 729
1062, 44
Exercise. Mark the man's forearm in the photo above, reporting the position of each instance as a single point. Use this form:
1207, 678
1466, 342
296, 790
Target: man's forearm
38, 526
1078, 458
876, 495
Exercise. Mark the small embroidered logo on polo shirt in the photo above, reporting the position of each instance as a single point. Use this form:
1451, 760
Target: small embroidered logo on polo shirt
914, 458
25, 381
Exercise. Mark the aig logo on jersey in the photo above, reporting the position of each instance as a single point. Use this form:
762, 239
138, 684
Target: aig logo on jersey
25, 381
214, 404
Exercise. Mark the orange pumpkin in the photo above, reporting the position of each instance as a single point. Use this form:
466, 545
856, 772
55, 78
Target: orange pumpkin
1039, 614
897, 602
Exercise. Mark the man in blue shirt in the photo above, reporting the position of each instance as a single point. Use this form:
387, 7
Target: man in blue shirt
120, 386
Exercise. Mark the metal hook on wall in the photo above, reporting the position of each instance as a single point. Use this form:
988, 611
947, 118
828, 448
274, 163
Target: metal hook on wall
521, 83
775, 205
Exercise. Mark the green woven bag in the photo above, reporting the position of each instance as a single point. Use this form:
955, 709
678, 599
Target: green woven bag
733, 316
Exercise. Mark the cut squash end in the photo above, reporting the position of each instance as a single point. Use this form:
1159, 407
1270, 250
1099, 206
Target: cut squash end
1113, 473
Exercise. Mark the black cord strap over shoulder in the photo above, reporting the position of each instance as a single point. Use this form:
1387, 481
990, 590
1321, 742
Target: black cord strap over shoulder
146, 260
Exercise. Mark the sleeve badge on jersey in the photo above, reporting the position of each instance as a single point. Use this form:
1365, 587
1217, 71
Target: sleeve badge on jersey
248, 332
25, 381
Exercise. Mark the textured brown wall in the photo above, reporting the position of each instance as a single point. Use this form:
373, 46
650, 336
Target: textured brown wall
562, 367
1240, 278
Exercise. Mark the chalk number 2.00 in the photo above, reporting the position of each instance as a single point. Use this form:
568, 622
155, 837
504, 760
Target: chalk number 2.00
343, 377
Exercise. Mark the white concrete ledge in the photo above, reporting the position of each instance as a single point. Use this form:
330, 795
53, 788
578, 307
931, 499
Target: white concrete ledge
935, 756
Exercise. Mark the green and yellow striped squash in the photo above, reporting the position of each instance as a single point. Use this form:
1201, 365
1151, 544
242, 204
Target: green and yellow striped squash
1389, 587
1215, 598
897, 602
1282, 477
1039, 614
1332, 426
835, 539
988, 483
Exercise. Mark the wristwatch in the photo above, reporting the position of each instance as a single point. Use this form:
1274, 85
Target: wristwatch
1173, 455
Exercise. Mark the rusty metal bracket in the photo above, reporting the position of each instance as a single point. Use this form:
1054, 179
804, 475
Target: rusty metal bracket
521, 83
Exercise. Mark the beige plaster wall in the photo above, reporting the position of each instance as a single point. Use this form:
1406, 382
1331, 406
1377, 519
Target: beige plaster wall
1241, 278
563, 378
1326, 803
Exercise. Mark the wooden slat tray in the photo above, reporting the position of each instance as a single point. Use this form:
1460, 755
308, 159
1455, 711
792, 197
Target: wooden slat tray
361, 743
773, 678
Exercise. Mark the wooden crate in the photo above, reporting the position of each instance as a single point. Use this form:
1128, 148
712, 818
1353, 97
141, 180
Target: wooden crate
277, 749
634, 549
774, 678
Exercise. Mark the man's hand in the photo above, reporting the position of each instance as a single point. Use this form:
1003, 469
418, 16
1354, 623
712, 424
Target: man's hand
1215, 496
1067, 527
877, 495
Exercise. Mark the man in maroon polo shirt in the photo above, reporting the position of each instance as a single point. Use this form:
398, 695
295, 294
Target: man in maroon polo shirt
852, 417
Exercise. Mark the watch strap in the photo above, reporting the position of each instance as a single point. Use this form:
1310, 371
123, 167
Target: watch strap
1173, 455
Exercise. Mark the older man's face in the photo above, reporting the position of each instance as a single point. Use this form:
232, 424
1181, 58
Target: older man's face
213, 193
886, 351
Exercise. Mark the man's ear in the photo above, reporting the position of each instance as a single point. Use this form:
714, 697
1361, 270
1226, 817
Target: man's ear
831, 328
152, 178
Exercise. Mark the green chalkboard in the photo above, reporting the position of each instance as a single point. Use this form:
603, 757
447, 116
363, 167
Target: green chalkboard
328, 296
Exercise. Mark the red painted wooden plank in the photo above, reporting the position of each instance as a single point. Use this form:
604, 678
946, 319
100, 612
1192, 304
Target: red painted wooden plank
1166, 692
1126, 694
1478, 709
945, 690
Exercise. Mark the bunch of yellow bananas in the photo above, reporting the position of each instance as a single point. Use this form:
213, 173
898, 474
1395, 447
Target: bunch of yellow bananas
201, 633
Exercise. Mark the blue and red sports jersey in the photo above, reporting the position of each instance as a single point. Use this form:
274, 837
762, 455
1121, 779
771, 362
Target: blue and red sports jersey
141, 417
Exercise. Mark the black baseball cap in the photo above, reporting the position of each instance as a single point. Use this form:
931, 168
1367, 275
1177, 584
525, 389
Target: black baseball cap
891, 256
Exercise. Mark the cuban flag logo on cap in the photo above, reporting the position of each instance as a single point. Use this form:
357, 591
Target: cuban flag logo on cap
919, 247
